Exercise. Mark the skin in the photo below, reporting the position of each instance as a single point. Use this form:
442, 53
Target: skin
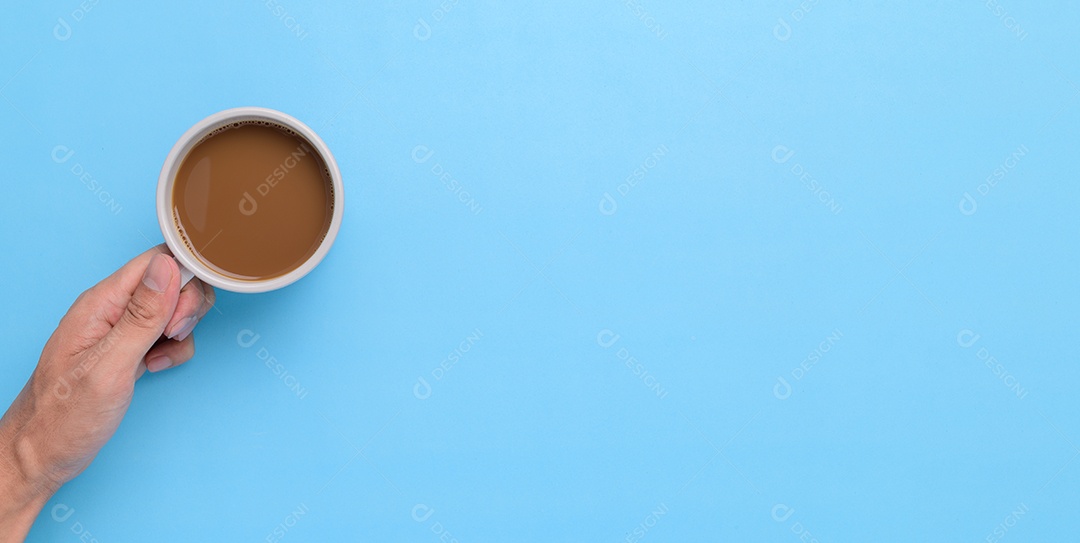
136, 320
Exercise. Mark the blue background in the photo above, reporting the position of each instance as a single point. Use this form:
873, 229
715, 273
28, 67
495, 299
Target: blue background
722, 270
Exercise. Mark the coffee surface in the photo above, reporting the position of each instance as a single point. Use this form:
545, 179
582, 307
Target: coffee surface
253, 200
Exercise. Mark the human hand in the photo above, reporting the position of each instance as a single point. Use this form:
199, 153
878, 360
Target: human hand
136, 320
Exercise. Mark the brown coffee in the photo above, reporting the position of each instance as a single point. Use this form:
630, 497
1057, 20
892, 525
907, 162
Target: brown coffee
253, 200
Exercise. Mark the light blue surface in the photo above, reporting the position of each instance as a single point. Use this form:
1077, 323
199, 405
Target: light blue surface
722, 269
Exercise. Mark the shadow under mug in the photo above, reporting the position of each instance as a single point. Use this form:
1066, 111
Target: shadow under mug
190, 265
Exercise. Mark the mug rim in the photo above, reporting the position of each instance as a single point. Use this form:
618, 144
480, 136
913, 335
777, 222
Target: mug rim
167, 179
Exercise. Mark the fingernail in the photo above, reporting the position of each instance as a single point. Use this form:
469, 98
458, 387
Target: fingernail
158, 273
158, 363
183, 328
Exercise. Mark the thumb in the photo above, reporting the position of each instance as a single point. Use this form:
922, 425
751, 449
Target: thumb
148, 311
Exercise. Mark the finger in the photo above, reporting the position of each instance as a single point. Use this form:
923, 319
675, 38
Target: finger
100, 307
130, 274
169, 354
189, 309
151, 305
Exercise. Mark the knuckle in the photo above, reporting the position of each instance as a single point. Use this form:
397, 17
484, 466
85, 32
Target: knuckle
187, 305
108, 384
83, 296
191, 289
140, 312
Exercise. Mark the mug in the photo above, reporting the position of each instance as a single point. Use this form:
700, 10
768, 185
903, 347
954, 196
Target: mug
190, 265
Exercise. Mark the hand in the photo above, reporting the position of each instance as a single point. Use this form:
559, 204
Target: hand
136, 320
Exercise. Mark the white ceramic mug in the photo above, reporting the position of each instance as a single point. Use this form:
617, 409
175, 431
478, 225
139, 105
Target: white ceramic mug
190, 265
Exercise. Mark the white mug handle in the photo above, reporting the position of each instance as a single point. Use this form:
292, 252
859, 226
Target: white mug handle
185, 275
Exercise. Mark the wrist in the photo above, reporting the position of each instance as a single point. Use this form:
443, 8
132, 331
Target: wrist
24, 489
20, 505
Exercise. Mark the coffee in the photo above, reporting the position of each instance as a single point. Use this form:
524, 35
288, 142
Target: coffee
253, 200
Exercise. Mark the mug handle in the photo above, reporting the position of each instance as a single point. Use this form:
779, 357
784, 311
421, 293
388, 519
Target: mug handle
185, 275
